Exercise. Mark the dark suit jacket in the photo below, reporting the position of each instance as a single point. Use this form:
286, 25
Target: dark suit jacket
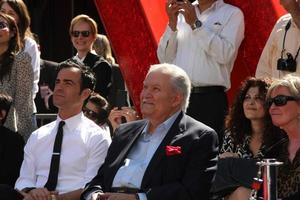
102, 70
48, 71
11, 156
116, 84
185, 176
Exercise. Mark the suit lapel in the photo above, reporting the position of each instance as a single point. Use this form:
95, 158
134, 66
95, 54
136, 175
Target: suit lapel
178, 127
89, 60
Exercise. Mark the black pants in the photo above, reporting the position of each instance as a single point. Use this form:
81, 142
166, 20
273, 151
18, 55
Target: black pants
210, 108
9, 193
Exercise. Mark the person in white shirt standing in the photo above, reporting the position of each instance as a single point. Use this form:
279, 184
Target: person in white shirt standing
203, 38
84, 144
281, 52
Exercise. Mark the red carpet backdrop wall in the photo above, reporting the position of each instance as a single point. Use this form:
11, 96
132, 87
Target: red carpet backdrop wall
135, 26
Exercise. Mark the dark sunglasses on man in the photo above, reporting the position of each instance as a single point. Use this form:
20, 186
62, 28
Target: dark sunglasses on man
280, 100
83, 33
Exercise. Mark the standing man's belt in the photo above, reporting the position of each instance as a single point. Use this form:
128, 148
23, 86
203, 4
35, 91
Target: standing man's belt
207, 89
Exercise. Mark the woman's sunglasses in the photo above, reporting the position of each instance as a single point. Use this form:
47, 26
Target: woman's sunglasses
280, 100
3, 25
90, 114
83, 33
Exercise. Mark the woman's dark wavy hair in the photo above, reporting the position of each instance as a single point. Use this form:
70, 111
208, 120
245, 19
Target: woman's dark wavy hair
8, 57
236, 122
24, 18
102, 106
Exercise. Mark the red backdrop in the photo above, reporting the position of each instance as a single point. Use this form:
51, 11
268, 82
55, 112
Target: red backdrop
135, 26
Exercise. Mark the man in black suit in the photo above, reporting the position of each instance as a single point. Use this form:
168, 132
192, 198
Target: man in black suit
43, 99
166, 156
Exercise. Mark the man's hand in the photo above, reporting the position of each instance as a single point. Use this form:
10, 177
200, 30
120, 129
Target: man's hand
172, 9
115, 116
40, 194
188, 11
116, 196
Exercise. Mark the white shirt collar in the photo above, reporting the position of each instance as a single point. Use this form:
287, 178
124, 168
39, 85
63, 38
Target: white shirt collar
80, 60
72, 122
217, 4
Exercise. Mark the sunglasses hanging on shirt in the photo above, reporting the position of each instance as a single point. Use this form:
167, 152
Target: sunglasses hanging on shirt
289, 63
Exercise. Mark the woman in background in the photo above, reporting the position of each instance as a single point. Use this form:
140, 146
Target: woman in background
102, 48
83, 31
18, 10
249, 134
284, 107
97, 109
246, 125
16, 78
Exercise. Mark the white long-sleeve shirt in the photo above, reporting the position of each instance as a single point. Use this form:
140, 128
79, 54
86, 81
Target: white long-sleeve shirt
32, 49
207, 53
267, 65
84, 148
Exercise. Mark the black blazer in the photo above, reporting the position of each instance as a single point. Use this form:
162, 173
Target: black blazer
103, 72
48, 71
11, 156
185, 176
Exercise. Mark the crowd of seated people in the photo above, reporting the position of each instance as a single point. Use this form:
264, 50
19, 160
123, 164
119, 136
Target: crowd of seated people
160, 154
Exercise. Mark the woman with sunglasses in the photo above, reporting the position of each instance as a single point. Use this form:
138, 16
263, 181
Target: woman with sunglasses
18, 10
97, 109
284, 107
16, 77
83, 32
250, 134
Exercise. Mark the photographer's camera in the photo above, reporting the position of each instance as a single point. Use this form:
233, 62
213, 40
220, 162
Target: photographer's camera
287, 64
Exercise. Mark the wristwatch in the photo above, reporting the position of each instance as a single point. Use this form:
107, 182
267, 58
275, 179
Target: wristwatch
197, 24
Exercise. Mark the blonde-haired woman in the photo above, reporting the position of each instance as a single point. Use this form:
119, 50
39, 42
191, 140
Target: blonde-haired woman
103, 48
83, 31
284, 107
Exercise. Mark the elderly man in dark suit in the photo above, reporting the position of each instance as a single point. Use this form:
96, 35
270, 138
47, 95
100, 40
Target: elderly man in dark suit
166, 156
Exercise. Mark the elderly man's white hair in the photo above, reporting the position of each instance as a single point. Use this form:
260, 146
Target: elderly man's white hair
179, 79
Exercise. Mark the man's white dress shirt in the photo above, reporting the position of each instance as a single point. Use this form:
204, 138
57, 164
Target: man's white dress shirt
207, 53
31, 48
84, 148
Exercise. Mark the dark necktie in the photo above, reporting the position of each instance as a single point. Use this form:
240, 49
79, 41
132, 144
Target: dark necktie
54, 166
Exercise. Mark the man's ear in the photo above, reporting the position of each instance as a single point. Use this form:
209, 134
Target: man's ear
86, 93
177, 99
